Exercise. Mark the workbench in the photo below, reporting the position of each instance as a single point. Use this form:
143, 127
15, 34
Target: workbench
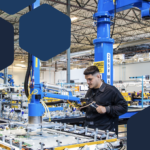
132, 110
139, 99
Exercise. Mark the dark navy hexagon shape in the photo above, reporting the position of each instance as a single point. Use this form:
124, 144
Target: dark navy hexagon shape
138, 130
13, 6
6, 44
45, 32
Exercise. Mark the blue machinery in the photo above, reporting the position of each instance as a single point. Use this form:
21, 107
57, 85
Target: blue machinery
10, 80
104, 43
103, 51
36, 109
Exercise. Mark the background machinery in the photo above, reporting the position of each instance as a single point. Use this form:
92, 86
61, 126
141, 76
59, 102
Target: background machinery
9, 76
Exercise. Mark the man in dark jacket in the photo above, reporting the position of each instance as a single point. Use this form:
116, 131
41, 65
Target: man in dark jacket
109, 101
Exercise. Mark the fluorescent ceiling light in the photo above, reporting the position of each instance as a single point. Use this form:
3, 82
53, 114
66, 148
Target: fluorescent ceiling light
20, 65
74, 18
22, 61
23, 66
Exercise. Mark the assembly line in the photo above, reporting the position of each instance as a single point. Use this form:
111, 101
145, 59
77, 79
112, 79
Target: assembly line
42, 116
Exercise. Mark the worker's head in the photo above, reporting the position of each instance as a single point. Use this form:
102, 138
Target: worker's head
92, 76
140, 91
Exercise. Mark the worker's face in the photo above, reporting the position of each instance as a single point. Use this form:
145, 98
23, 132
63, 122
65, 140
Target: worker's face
93, 80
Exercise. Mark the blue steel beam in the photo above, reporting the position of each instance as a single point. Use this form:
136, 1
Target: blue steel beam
108, 5
35, 107
64, 97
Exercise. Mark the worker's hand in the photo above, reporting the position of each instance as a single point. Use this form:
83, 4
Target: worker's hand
101, 109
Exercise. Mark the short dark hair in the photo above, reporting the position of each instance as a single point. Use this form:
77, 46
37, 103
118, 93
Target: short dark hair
91, 70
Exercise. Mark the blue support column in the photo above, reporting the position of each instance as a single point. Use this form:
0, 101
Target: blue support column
35, 107
104, 44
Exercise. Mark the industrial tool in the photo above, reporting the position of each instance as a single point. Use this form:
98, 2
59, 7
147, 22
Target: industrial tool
93, 105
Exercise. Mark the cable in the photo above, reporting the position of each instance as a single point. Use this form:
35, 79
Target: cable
27, 75
30, 96
46, 109
119, 43
86, 105
53, 103
110, 145
28, 69
70, 103
114, 19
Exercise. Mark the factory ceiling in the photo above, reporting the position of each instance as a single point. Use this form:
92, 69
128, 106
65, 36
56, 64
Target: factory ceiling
129, 27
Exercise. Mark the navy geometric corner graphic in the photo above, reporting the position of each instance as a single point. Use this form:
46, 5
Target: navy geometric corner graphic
138, 131
6, 44
13, 6
45, 32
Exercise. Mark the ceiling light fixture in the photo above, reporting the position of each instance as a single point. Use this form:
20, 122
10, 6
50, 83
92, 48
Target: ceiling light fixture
74, 18
20, 65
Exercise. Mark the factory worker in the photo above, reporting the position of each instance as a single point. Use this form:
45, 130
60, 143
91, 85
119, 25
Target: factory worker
139, 94
109, 101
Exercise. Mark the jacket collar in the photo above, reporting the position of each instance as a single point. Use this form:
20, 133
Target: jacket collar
102, 88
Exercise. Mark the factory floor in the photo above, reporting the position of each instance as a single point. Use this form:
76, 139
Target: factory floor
123, 128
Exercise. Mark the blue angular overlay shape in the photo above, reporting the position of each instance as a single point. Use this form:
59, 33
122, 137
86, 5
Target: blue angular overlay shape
6, 44
45, 32
138, 131
13, 6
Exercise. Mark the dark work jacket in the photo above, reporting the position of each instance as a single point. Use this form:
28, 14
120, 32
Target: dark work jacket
110, 97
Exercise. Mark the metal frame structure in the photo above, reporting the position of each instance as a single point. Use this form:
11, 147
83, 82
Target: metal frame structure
128, 26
